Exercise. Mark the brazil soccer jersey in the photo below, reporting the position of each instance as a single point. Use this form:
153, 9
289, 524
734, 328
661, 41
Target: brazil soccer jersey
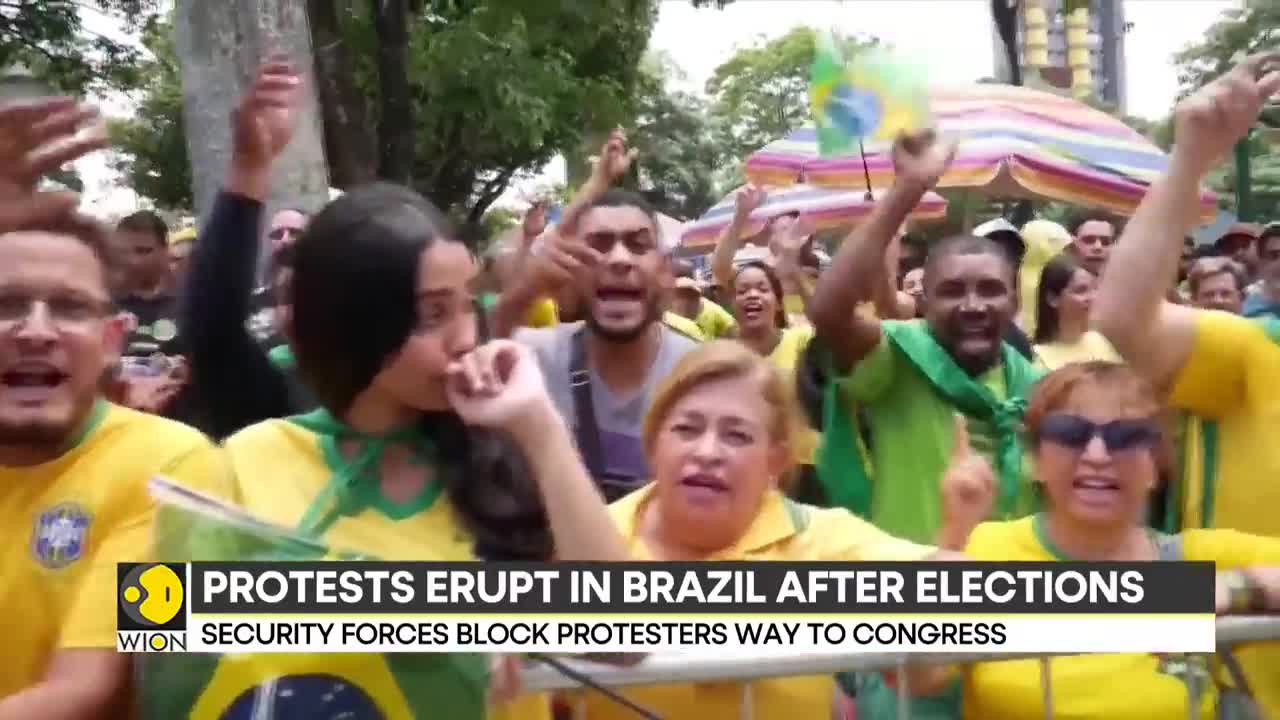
284, 472
69, 521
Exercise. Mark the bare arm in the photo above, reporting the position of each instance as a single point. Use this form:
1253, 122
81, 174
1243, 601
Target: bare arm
891, 303
918, 161
730, 241
580, 522
790, 273
856, 270
1152, 334
80, 684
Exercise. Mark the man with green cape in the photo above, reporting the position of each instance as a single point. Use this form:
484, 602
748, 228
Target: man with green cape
911, 378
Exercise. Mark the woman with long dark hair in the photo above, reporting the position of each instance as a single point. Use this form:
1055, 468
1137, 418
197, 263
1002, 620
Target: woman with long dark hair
427, 445
1063, 300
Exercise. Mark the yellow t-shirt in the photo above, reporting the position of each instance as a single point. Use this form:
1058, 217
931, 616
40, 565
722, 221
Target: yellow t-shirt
714, 321
785, 357
1091, 346
684, 326
1101, 686
71, 520
783, 530
543, 313
280, 467
1231, 377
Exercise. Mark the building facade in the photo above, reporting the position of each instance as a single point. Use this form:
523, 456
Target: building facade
1106, 25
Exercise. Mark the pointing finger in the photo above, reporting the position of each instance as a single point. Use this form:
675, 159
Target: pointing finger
960, 449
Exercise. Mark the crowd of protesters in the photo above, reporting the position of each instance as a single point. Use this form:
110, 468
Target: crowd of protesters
1104, 392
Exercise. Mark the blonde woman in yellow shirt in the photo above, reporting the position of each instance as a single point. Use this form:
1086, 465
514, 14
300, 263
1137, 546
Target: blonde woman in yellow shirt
1063, 300
718, 434
1099, 451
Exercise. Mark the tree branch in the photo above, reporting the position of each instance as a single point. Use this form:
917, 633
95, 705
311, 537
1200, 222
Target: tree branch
492, 190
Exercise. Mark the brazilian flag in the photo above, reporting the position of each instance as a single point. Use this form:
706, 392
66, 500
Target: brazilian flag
272, 686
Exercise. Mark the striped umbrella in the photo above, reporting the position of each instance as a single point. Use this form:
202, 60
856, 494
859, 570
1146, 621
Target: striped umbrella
828, 208
1014, 142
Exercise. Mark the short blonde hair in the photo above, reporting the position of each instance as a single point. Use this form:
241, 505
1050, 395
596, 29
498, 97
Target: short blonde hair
724, 360
1130, 393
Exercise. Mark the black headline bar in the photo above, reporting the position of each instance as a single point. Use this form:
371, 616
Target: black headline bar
712, 587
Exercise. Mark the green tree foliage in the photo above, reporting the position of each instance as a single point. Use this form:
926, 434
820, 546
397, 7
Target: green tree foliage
679, 153
1238, 33
458, 100
151, 147
51, 38
497, 221
762, 92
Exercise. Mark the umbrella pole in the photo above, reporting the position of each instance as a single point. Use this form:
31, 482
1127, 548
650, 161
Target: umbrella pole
866, 172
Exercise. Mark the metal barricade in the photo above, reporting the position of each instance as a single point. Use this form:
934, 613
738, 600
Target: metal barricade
681, 668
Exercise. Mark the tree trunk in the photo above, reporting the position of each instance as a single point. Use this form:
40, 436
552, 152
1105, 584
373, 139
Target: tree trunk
395, 122
348, 137
219, 45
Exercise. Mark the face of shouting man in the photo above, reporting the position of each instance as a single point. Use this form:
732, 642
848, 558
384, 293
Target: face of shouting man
57, 336
624, 293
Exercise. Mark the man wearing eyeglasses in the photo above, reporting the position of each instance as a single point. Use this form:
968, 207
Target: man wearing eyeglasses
74, 468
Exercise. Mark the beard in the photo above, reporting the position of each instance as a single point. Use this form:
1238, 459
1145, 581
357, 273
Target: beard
653, 312
40, 433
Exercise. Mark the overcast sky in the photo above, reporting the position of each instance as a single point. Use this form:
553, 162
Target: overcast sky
954, 42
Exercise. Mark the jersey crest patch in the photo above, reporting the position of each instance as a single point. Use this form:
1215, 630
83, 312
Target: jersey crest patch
60, 535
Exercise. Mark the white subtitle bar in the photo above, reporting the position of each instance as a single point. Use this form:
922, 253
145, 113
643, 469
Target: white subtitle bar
869, 634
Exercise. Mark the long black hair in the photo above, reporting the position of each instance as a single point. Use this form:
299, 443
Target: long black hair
780, 314
354, 291
1054, 279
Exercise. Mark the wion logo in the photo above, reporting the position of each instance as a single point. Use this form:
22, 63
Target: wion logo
150, 600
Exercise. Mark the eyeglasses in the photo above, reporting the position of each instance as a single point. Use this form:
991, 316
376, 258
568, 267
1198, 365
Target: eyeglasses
64, 311
1118, 435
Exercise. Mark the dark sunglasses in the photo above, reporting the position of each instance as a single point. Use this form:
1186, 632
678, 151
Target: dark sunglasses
1118, 435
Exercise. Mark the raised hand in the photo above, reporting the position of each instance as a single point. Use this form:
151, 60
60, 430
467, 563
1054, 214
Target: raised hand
504, 679
920, 159
263, 123
499, 385
1209, 122
614, 160
559, 262
152, 393
790, 242
535, 222
36, 138
968, 486
748, 199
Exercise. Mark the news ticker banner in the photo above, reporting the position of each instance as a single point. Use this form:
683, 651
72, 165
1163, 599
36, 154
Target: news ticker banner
644, 607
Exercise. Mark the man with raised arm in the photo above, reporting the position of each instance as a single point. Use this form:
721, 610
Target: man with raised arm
74, 467
1216, 365
1219, 366
911, 377
601, 371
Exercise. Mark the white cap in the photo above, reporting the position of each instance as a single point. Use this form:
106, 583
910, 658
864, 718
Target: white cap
991, 227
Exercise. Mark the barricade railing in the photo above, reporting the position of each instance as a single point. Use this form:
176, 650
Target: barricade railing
744, 667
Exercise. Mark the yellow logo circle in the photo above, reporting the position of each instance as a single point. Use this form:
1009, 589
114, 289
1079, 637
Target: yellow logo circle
152, 594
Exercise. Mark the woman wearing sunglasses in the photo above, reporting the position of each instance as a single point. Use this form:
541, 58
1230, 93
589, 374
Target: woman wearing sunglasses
1099, 451
718, 435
